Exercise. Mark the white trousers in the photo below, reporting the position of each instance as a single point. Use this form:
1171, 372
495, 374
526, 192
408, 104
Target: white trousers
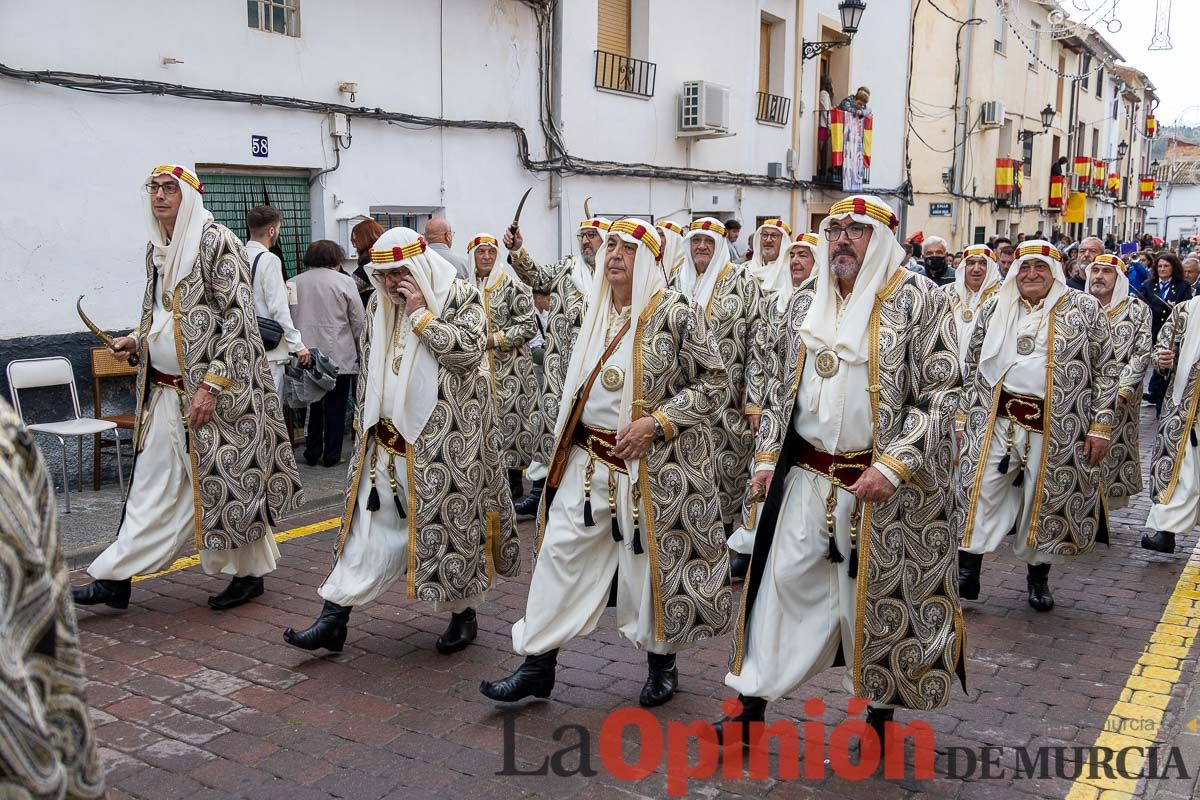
159, 523
375, 553
277, 375
1000, 505
536, 471
805, 606
575, 568
1182, 513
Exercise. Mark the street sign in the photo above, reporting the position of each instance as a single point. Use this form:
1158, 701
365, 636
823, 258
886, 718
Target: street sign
940, 209
258, 146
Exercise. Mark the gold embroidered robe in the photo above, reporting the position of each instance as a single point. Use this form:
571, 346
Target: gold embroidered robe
1177, 419
564, 317
509, 309
461, 528
48, 748
244, 474
909, 635
1081, 390
735, 313
1130, 323
679, 378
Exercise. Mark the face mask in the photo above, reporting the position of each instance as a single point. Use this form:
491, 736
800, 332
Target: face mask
936, 263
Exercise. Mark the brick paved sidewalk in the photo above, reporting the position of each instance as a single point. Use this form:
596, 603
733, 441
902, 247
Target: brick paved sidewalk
190, 703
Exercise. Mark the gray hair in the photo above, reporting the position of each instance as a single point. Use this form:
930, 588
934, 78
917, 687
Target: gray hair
932, 240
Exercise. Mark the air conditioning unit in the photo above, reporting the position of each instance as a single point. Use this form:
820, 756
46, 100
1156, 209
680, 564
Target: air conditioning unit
991, 114
704, 110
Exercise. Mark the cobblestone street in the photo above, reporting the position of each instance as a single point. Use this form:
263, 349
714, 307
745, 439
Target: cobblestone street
190, 703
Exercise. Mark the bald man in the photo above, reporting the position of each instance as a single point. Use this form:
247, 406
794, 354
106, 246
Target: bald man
440, 237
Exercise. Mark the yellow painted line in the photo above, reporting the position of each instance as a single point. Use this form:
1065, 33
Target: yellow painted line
281, 537
1136, 719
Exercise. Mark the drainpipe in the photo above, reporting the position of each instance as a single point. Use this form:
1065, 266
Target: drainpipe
555, 77
797, 101
964, 118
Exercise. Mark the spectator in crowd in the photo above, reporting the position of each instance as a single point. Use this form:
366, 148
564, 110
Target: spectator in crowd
1139, 274
541, 316
1110, 244
1001, 241
824, 106
1056, 169
1191, 274
1162, 293
440, 237
733, 229
936, 267
330, 315
1004, 258
362, 237
270, 295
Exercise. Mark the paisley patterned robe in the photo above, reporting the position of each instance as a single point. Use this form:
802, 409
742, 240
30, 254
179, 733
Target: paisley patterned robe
1177, 419
509, 309
243, 471
565, 315
460, 518
48, 749
735, 313
1081, 390
1130, 323
909, 638
679, 378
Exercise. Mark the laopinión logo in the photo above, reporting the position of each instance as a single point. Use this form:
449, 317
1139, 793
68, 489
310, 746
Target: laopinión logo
691, 751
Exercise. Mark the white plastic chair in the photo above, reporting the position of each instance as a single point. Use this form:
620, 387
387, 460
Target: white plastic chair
36, 373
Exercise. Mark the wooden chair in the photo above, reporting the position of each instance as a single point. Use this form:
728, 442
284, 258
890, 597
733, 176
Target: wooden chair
105, 367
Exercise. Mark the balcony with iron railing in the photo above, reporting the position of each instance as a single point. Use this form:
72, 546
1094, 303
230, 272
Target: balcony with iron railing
773, 109
618, 73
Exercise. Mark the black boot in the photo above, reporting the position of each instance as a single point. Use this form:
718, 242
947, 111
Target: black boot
459, 633
114, 594
754, 709
969, 567
240, 590
662, 679
329, 631
516, 486
1039, 587
529, 505
739, 564
534, 677
878, 718
1159, 541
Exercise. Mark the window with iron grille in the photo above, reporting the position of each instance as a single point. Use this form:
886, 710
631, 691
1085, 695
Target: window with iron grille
229, 196
274, 16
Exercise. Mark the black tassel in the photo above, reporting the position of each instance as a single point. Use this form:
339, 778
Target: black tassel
1003, 466
1020, 479
853, 566
637, 539
373, 500
616, 529
1194, 442
399, 508
834, 554
588, 519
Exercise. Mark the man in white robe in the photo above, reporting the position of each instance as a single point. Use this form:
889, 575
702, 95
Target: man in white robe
975, 281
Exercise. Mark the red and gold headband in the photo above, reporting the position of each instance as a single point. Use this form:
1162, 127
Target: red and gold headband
640, 231
776, 223
595, 222
182, 173
862, 207
671, 226
483, 239
1046, 250
398, 253
707, 225
809, 239
979, 250
1110, 260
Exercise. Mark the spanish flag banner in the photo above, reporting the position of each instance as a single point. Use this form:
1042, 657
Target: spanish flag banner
1057, 190
1146, 187
1098, 174
868, 134
837, 134
1019, 171
1083, 167
1151, 126
1004, 177
1114, 183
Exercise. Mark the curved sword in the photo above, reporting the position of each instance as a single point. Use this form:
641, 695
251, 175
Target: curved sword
587, 210
101, 335
520, 206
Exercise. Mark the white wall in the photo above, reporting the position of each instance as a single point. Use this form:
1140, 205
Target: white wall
1182, 203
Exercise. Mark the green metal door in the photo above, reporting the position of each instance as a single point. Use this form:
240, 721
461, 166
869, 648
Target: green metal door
229, 197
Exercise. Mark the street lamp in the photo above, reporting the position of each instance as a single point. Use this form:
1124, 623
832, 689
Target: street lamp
851, 12
1122, 149
1047, 115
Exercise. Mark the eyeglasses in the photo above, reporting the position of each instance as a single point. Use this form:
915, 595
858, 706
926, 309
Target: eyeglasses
168, 189
854, 230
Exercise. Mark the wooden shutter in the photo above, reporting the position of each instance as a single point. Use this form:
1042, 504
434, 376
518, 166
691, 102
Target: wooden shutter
613, 28
764, 56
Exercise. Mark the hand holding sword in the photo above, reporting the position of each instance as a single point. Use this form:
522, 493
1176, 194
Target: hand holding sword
122, 348
512, 237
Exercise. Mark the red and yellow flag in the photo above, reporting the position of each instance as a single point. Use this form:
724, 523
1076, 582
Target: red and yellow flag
1151, 126
1146, 187
1083, 167
1098, 173
1114, 183
1057, 190
1004, 177
837, 134
868, 124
